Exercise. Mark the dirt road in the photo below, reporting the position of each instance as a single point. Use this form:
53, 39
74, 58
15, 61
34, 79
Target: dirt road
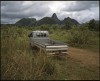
85, 56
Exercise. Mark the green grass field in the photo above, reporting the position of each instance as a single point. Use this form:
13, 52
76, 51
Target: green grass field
19, 62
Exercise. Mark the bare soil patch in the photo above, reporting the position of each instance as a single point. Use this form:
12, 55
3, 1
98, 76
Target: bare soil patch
85, 56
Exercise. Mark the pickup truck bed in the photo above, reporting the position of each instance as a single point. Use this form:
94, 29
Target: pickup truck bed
50, 46
48, 42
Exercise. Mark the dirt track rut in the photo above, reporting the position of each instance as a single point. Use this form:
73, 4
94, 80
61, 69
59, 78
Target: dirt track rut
85, 56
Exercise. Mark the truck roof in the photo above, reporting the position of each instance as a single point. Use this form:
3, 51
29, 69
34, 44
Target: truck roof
40, 31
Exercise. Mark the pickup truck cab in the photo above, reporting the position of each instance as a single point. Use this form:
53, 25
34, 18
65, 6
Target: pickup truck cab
41, 40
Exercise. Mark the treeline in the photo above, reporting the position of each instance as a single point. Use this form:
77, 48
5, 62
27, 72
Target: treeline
92, 25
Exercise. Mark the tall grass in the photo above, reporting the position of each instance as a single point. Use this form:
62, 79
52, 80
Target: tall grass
80, 37
19, 62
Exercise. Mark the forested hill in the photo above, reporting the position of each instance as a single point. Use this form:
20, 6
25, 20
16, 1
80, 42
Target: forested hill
26, 22
46, 20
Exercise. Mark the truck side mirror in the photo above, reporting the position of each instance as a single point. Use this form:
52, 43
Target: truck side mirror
28, 35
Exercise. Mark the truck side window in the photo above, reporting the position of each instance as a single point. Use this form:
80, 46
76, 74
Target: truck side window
41, 34
38, 35
44, 34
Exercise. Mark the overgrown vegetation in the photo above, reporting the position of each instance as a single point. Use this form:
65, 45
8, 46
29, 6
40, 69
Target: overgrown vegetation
19, 62
80, 36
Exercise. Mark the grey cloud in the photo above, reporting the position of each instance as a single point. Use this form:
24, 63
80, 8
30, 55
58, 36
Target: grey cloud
81, 16
17, 9
8, 20
81, 5
86, 15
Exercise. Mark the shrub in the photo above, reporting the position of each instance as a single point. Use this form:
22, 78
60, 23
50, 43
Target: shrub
79, 36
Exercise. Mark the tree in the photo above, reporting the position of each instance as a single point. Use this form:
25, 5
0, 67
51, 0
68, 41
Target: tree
68, 26
91, 25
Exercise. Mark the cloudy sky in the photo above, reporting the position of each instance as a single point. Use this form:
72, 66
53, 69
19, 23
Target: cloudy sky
82, 11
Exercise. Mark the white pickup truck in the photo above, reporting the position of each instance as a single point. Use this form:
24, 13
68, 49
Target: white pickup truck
41, 40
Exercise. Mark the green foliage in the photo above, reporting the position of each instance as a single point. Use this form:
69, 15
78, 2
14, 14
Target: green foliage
62, 36
44, 27
70, 21
45, 20
26, 22
79, 36
93, 25
68, 26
